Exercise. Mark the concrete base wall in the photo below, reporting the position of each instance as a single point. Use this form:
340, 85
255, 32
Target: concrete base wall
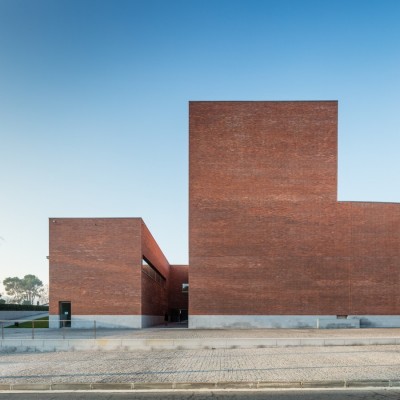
102, 321
7, 315
272, 321
109, 321
151, 320
379, 321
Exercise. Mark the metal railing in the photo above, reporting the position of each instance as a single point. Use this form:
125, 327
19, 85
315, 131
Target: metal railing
65, 329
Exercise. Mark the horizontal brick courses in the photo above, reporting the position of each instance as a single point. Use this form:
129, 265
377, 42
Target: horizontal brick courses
266, 233
94, 264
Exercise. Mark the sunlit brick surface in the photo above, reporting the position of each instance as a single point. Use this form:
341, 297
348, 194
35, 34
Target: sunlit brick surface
267, 235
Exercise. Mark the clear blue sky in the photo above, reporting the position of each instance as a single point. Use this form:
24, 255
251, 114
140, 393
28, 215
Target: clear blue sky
94, 102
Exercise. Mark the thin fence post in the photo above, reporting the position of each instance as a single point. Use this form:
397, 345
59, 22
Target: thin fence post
33, 329
94, 329
63, 328
2, 329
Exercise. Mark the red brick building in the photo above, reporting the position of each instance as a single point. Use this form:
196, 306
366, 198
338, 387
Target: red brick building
111, 270
269, 244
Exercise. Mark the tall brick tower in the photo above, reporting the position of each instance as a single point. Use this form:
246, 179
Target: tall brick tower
269, 244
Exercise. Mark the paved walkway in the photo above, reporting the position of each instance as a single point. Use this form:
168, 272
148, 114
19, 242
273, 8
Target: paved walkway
220, 365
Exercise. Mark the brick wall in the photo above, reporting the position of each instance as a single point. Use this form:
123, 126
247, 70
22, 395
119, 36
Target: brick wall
96, 264
266, 233
178, 276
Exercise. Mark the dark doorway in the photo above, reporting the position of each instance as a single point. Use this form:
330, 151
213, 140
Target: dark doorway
65, 314
179, 315
183, 316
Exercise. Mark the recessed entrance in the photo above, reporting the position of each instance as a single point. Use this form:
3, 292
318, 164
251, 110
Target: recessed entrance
179, 315
65, 314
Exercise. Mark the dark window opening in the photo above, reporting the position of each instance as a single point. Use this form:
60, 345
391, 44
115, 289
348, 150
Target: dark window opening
151, 271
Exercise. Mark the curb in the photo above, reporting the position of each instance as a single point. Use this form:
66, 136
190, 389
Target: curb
160, 386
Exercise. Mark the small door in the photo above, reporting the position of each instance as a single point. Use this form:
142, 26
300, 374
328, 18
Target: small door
65, 314
183, 315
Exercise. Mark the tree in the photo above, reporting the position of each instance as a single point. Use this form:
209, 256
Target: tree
44, 294
23, 290
2, 301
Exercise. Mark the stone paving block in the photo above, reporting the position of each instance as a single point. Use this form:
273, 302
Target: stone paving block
334, 342
278, 385
71, 386
31, 344
220, 344
236, 385
111, 386
54, 345
134, 344
323, 384
377, 341
356, 342
367, 383
10, 342
181, 344
311, 342
152, 385
194, 385
107, 344
160, 344
288, 342
31, 386
82, 345
248, 343
5, 386
260, 343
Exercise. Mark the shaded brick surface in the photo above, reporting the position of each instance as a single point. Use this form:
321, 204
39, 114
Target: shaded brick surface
179, 274
266, 233
154, 292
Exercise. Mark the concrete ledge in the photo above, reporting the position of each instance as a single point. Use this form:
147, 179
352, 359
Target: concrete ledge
71, 386
31, 386
50, 345
161, 386
112, 386
323, 384
368, 383
278, 385
153, 386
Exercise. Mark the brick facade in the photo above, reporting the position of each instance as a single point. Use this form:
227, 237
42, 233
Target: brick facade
97, 265
269, 244
266, 233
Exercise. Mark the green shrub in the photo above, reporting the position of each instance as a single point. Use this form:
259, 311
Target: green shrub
22, 307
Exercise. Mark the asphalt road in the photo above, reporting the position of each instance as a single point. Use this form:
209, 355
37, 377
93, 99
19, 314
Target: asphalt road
216, 395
